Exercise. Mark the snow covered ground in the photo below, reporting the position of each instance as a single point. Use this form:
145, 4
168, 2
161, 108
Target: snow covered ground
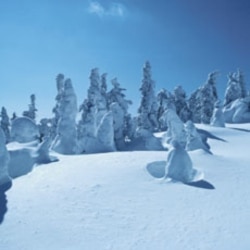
110, 201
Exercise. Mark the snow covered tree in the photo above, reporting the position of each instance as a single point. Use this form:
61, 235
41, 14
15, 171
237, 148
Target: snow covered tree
176, 130
14, 116
5, 124
181, 104
165, 100
242, 84
66, 139
194, 106
218, 119
4, 160
233, 90
87, 126
44, 128
56, 109
93, 109
179, 165
103, 88
119, 106
31, 113
208, 97
147, 112
194, 140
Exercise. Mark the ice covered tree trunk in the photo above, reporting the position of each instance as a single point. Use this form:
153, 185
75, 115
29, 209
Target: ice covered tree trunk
4, 160
218, 119
5, 124
147, 112
66, 138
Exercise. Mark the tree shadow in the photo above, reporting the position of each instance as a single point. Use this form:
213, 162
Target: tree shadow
156, 169
201, 184
3, 200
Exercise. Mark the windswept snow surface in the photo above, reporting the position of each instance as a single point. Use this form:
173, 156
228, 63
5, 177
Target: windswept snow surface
110, 201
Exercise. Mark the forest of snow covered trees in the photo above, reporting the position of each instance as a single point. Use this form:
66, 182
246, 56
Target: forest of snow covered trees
105, 123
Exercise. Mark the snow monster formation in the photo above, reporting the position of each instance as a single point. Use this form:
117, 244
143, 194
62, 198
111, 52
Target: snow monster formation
179, 166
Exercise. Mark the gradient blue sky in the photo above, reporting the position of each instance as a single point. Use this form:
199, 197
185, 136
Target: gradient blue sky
183, 39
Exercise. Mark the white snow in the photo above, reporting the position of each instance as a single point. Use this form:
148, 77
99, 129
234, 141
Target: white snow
110, 201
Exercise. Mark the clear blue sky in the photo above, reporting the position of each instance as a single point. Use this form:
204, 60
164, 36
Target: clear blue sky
183, 39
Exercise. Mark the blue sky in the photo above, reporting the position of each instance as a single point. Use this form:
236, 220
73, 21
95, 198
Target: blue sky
183, 39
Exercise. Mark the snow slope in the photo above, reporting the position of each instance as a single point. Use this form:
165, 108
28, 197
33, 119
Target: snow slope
110, 201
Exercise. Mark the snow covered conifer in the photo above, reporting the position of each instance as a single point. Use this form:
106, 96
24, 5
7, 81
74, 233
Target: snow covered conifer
208, 96
105, 134
233, 90
93, 109
147, 112
4, 159
218, 119
181, 104
66, 139
31, 113
176, 130
194, 105
14, 116
165, 100
119, 106
242, 84
56, 109
5, 124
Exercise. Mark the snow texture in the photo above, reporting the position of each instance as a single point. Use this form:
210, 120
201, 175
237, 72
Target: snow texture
23, 130
110, 201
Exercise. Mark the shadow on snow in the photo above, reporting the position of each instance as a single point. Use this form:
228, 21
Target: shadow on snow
157, 170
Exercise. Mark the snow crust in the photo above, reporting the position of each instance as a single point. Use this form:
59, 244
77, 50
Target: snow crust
110, 201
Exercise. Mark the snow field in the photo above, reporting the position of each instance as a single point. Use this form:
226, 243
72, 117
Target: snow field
110, 201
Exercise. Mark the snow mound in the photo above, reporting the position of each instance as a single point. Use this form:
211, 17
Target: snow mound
237, 111
23, 130
22, 159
